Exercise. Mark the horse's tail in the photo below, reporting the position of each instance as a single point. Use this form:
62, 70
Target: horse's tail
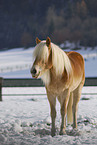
69, 110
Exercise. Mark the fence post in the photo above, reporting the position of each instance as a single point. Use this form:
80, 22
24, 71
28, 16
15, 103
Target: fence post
1, 81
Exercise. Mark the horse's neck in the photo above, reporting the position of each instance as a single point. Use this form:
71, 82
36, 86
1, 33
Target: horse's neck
52, 74
56, 78
57, 83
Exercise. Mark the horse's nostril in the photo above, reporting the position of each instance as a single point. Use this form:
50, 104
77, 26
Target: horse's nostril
33, 71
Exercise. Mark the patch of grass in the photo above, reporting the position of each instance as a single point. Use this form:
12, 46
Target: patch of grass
85, 99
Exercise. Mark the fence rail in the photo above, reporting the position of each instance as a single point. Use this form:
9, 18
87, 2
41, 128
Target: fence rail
34, 83
38, 83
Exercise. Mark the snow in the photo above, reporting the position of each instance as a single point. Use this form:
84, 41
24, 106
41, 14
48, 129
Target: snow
25, 119
16, 63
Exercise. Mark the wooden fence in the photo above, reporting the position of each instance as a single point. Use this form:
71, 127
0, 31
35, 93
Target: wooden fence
38, 83
1, 89
35, 83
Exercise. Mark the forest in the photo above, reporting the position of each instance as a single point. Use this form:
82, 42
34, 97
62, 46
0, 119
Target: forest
21, 21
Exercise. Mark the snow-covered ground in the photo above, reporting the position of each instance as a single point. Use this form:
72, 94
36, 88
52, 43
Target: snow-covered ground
16, 63
25, 120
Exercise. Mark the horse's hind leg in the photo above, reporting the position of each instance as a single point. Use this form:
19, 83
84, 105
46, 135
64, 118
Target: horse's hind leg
52, 101
76, 98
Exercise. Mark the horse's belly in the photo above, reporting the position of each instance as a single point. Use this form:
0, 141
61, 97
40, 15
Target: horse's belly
75, 84
57, 89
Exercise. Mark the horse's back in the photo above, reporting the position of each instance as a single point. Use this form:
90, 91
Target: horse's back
76, 58
77, 62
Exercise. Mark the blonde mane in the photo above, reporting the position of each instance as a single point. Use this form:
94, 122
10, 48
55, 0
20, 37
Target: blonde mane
59, 59
41, 51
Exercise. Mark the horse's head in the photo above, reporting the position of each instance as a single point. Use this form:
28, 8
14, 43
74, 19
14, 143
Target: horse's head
42, 58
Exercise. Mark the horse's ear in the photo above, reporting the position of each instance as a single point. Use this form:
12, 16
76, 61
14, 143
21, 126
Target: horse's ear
37, 40
48, 41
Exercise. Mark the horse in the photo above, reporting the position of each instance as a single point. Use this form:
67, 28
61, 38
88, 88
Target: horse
63, 75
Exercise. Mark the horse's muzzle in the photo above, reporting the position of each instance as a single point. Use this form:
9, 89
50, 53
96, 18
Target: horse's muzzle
34, 72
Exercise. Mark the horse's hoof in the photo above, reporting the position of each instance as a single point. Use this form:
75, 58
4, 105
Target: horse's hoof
53, 133
74, 132
62, 133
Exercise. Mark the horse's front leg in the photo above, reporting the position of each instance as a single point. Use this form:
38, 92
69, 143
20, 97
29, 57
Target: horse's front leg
53, 117
52, 101
64, 103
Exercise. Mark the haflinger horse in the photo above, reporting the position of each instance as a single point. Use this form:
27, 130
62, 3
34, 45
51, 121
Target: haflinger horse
63, 75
